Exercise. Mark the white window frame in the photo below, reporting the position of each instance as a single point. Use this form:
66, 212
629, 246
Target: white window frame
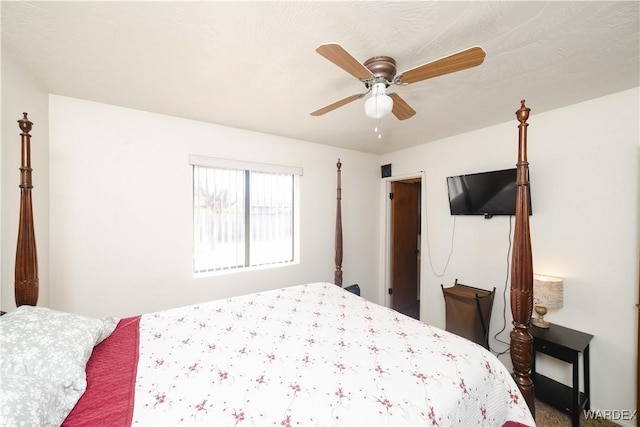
296, 172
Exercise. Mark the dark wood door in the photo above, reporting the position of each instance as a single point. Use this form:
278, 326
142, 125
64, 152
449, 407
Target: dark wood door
405, 229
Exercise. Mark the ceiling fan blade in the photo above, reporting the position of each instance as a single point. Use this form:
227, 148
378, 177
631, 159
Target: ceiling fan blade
468, 58
343, 59
337, 104
401, 109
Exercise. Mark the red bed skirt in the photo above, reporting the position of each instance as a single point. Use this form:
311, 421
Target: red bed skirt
111, 377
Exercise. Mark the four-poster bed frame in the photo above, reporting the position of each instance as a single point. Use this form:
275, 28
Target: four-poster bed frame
26, 273
521, 346
338, 250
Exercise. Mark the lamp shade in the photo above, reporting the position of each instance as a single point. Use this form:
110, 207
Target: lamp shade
379, 104
547, 291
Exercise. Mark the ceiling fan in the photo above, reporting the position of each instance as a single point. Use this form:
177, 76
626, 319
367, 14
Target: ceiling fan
379, 72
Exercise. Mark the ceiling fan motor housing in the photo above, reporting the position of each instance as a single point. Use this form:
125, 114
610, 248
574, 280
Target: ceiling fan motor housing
382, 67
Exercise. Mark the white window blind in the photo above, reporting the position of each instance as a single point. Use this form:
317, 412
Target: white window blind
243, 213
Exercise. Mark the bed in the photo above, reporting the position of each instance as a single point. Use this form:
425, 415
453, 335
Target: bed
312, 354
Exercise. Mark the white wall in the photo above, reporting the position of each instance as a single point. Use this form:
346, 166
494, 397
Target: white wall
21, 94
121, 209
584, 184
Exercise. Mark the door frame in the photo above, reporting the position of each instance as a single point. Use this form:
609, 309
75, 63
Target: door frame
386, 247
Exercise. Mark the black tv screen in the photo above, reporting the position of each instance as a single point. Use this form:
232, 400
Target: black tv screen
486, 193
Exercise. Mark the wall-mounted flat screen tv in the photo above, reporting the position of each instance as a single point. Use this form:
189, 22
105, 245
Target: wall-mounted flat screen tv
486, 193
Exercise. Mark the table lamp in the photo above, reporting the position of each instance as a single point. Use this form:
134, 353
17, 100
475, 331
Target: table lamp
547, 293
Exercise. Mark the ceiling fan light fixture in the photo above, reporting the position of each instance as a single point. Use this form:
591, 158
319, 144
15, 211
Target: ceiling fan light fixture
379, 104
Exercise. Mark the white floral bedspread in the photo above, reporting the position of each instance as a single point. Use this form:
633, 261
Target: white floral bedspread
314, 355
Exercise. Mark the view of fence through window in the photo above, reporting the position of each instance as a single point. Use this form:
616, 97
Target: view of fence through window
241, 218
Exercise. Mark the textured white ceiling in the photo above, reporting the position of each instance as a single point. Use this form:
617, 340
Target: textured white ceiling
253, 65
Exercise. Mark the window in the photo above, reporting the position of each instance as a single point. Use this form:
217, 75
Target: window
244, 214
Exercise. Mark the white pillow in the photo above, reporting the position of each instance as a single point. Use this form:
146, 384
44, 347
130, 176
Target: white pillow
52, 346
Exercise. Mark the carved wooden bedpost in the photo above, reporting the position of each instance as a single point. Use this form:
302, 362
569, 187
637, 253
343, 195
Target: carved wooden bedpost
26, 273
522, 272
338, 273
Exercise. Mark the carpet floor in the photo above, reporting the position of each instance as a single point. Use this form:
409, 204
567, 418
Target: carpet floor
547, 416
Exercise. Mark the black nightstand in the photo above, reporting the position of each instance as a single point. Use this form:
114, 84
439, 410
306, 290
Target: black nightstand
564, 344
